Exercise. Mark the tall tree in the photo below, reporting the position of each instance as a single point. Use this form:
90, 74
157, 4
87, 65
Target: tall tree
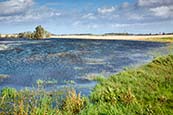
39, 32
7, 36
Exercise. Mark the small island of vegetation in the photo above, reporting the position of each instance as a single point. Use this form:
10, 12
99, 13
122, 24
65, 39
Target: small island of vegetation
39, 33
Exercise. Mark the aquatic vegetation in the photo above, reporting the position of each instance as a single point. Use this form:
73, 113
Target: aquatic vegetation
39, 102
70, 82
8, 92
144, 90
2, 77
53, 81
41, 83
93, 77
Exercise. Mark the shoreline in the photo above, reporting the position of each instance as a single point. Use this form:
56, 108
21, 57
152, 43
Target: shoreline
155, 38
149, 88
150, 38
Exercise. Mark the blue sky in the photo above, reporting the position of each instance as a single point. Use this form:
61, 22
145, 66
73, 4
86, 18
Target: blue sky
87, 16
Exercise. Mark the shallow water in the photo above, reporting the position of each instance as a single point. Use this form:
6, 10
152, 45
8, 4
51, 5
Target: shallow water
67, 60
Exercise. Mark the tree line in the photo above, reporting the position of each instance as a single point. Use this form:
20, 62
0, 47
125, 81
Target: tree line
39, 33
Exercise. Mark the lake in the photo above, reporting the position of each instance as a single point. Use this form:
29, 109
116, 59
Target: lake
68, 62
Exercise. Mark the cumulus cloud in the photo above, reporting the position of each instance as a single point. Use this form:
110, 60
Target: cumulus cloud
106, 10
12, 7
138, 13
160, 8
154, 3
163, 11
24, 10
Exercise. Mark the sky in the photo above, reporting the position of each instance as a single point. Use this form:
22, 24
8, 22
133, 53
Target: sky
87, 16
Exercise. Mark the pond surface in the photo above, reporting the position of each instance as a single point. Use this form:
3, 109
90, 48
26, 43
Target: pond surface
68, 61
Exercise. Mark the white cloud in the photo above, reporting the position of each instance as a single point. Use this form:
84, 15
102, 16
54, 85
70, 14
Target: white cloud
90, 16
159, 8
163, 11
147, 2
134, 16
76, 23
106, 10
55, 14
154, 3
12, 7
92, 26
118, 25
88, 25
25, 11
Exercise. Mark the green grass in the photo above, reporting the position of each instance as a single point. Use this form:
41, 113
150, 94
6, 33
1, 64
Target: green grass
144, 90
162, 39
40, 102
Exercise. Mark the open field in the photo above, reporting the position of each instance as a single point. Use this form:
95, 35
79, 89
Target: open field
162, 38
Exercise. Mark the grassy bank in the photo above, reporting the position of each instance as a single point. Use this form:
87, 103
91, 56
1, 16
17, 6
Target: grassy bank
161, 39
144, 90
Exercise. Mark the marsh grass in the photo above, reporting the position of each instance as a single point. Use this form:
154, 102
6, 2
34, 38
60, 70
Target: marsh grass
161, 39
39, 102
145, 90
73, 103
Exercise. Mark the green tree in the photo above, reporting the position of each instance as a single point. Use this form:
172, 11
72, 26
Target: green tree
28, 35
25, 35
39, 32
0, 36
21, 35
12, 36
47, 34
7, 36
33, 35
